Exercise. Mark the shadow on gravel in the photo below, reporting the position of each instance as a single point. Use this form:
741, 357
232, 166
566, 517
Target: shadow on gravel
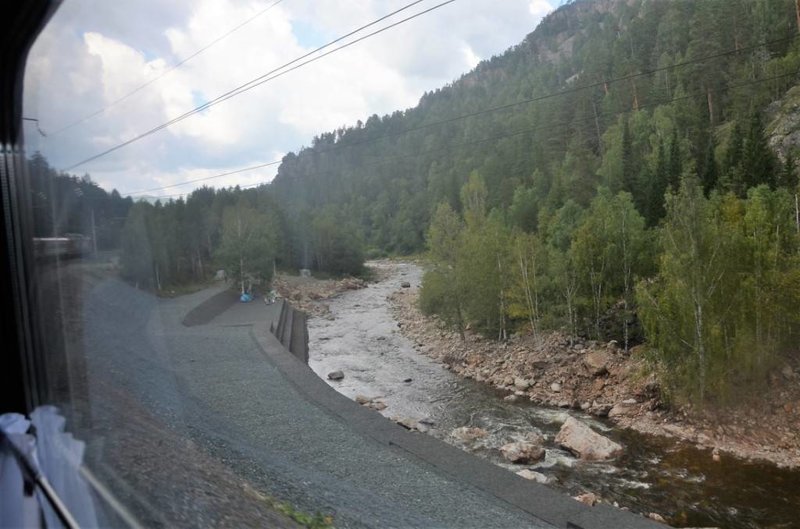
210, 308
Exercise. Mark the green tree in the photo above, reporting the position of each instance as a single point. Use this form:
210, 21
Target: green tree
442, 290
136, 252
247, 248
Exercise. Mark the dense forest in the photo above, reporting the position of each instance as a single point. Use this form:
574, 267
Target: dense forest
620, 174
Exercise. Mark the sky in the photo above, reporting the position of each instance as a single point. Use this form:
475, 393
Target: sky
94, 52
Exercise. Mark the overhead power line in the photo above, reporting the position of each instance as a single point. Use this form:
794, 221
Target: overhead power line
167, 71
532, 100
187, 182
521, 132
273, 74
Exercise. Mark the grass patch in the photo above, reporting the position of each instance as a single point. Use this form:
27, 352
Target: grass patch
311, 521
315, 521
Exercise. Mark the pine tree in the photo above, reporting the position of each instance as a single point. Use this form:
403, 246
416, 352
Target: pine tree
709, 174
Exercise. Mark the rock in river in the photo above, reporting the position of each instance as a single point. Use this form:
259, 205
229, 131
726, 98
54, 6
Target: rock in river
405, 284
465, 433
522, 452
336, 375
538, 477
587, 444
407, 422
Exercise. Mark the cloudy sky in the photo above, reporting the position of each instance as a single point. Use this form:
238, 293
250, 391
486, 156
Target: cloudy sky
94, 52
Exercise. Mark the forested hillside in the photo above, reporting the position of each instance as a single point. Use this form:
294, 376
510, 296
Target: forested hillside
610, 176
573, 107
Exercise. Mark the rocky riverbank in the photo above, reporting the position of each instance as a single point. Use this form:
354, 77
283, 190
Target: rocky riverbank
309, 293
603, 380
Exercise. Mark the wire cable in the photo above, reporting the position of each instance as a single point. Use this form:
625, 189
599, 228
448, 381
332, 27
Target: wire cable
266, 77
251, 168
167, 71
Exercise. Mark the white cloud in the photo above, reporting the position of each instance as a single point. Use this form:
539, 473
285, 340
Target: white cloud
539, 8
92, 53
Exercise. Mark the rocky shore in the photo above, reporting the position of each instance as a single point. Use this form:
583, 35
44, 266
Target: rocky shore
603, 380
309, 293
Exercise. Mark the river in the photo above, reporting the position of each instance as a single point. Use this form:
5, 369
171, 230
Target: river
681, 483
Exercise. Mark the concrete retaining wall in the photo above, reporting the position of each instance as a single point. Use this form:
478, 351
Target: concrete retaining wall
291, 330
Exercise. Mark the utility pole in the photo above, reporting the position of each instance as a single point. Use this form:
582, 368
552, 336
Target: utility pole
94, 237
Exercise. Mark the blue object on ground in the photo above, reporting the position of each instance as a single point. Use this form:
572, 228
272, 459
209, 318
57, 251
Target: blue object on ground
246, 298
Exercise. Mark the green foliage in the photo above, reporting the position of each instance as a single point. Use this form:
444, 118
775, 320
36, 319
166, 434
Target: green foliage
248, 246
136, 257
724, 304
337, 247
442, 286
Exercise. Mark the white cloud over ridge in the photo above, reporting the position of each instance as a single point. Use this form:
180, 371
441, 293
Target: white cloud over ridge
94, 52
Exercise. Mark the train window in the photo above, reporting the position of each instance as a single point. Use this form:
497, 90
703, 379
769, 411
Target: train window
404, 263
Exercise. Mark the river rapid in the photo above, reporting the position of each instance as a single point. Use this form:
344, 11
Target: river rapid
361, 338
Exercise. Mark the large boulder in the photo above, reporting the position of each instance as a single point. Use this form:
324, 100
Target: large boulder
336, 375
522, 452
584, 442
596, 362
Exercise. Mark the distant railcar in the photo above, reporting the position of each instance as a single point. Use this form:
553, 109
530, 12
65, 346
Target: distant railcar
69, 246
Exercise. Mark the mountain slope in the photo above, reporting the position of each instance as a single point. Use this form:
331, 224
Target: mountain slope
386, 176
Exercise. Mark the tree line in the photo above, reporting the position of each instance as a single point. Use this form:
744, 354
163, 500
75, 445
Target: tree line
244, 232
67, 204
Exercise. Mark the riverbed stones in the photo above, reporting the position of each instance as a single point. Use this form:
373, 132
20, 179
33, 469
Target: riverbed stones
362, 399
336, 375
407, 422
522, 383
532, 475
555, 387
588, 498
624, 407
405, 284
523, 452
468, 433
585, 443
